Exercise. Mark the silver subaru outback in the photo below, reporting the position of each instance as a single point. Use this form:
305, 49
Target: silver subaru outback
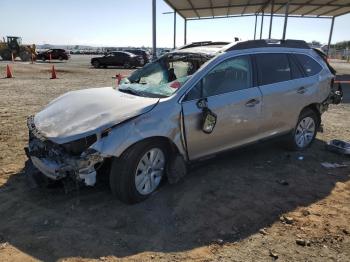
196, 101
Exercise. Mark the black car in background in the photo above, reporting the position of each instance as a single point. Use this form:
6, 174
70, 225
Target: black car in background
144, 54
125, 59
59, 54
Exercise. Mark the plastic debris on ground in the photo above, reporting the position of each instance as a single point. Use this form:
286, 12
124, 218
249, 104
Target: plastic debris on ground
332, 165
338, 146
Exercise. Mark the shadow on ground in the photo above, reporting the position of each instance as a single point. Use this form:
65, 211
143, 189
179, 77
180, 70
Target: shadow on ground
229, 197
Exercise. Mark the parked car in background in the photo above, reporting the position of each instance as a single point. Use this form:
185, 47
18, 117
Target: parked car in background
118, 58
59, 54
169, 113
144, 54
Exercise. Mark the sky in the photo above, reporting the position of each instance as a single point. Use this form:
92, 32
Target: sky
129, 23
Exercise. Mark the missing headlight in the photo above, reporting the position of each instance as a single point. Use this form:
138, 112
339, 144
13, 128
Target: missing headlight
79, 146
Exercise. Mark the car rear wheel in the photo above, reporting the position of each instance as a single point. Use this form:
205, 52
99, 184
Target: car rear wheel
96, 64
139, 171
127, 65
305, 130
60, 58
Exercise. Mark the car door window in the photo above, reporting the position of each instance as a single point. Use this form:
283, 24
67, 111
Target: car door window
231, 75
310, 66
273, 68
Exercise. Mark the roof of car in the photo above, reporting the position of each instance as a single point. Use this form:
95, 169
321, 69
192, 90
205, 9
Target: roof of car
212, 48
125, 52
289, 43
207, 47
134, 50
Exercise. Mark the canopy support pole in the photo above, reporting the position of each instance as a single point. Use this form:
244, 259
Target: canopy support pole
185, 32
262, 24
330, 36
174, 29
271, 17
256, 21
154, 28
285, 21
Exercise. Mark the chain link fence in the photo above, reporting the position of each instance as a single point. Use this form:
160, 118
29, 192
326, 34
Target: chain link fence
343, 54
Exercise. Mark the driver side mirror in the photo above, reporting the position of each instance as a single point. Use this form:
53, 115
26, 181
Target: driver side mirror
208, 120
208, 117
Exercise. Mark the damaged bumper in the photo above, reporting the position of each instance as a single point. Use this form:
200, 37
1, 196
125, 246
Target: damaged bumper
56, 163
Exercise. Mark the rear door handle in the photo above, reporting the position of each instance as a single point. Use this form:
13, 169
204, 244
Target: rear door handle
301, 90
252, 103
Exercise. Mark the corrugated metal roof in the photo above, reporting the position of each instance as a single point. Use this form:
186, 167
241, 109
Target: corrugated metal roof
198, 9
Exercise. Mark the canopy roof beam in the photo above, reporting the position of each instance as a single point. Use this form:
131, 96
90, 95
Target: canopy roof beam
245, 8
193, 9
211, 8
330, 11
249, 15
262, 9
299, 6
319, 7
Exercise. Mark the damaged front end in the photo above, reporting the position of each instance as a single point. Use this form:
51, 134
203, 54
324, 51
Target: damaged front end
57, 161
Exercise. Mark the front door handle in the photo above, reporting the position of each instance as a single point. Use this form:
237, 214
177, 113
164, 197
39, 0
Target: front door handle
301, 90
252, 103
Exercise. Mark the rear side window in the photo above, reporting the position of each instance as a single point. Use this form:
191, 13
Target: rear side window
295, 68
273, 68
310, 66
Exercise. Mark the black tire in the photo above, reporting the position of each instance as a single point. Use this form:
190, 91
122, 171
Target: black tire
60, 58
44, 58
6, 55
123, 170
127, 65
96, 64
25, 56
291, 139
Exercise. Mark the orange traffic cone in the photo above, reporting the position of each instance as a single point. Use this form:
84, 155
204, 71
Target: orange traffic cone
53, 73
8, 72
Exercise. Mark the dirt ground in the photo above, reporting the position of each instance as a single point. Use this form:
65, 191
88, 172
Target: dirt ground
260, 203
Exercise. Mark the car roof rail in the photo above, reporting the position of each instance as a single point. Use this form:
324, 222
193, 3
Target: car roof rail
203, 43
289, 43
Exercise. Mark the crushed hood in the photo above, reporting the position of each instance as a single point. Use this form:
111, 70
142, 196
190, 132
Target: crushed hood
78, 114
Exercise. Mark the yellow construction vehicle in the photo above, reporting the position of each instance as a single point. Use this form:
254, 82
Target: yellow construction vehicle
12, 46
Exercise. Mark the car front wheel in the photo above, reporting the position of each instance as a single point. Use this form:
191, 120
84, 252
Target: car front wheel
139, 171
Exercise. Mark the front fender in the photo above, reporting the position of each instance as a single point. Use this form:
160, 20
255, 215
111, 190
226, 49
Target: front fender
163, 121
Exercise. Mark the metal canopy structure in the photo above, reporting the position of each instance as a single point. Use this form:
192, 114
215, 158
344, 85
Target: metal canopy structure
201, 9
191, 10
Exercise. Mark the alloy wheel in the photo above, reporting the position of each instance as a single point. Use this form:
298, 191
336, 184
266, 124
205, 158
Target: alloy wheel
150, 171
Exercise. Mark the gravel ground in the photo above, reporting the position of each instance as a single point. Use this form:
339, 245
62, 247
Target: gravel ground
260, 203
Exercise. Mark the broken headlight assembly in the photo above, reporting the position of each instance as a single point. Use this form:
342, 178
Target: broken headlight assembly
77, 147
